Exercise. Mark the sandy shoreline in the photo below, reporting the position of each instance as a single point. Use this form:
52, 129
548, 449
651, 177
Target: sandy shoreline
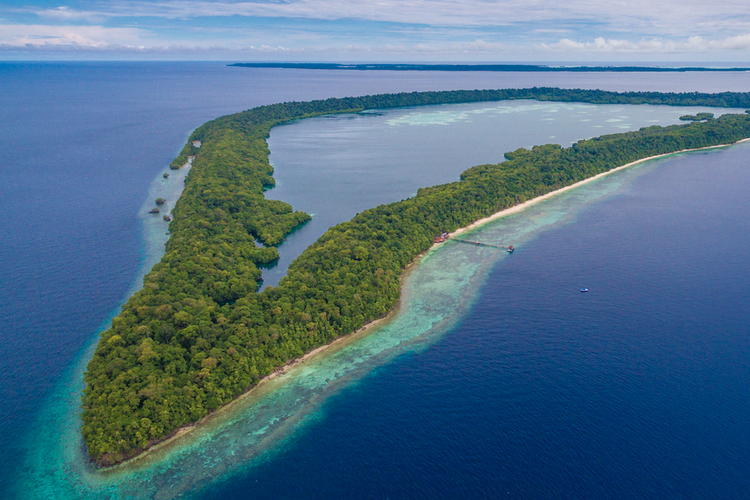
186, 429
533, 201
182, 431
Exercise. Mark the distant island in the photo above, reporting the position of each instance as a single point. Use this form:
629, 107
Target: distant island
198, 334
485, 67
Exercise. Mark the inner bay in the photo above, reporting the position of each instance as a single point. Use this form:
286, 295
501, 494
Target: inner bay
336, 166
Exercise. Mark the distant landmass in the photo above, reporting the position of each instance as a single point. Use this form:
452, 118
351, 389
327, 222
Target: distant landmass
484, 67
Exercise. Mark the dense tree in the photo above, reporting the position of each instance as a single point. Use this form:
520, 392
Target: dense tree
198, 334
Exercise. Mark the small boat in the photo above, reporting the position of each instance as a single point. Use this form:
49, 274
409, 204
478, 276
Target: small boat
511, 249
584, 290
441, 238
154, 211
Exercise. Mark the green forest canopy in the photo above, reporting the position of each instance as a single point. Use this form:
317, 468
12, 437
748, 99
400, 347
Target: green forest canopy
198, 334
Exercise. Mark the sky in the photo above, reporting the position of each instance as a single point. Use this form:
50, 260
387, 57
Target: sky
540, 31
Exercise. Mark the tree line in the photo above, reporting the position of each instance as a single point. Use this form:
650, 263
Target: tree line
198, 333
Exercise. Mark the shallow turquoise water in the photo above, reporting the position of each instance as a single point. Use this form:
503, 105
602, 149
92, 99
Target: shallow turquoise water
85, 143
437, 294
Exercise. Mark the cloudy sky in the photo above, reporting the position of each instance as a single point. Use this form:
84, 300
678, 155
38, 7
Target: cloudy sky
379, 30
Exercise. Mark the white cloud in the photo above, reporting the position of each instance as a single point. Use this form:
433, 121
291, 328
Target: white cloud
431, 12
268, 49
666, 17
14, 35
39, 37
486, 29
690, 45
68, 14
457, 29
740, 42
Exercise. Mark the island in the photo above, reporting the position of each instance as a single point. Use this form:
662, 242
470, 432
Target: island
697, 118
199, 334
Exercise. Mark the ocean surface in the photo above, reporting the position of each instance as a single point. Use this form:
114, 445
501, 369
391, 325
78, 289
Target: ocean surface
497, 377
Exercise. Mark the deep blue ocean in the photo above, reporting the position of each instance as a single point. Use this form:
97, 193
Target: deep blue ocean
635, 389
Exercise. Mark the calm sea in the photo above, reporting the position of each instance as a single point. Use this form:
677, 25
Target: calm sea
534, 390
636, 389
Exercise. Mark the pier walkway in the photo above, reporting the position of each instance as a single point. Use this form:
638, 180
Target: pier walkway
479, 243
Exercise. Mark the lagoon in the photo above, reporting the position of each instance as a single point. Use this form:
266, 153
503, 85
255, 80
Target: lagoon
337, 166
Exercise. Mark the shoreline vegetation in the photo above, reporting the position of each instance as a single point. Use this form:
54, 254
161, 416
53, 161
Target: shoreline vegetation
197, 335
372, 325
185, 429
523, 206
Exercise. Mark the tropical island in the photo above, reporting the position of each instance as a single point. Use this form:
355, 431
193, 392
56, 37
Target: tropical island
198, 334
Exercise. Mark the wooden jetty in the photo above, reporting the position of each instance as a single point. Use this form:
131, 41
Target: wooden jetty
479, 243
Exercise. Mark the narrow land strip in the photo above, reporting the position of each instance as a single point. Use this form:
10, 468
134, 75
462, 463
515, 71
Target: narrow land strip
522, 206
198, 335
372, 326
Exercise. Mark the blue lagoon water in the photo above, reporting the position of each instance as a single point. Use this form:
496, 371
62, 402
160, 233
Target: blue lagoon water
337, 166
496, 377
